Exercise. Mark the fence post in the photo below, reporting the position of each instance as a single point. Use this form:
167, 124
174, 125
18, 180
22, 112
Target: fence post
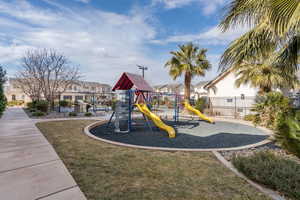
235, 113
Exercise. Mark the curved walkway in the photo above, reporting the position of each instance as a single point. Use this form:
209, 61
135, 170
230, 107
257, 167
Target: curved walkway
30, 168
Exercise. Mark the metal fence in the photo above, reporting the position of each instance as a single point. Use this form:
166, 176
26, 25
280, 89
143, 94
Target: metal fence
96, 101
236, 107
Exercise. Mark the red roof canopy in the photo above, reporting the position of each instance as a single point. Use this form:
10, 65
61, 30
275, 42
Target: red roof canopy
128, 81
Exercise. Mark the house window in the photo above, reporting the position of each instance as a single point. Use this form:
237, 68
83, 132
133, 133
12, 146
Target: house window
93, 88
240, 110
78, 98
23, 97
13, 97
68, 98
229, 100
75, 88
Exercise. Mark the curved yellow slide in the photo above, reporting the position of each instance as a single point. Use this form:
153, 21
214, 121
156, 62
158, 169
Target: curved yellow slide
143, 108
197, 112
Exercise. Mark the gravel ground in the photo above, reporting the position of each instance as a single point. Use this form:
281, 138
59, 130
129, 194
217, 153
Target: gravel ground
228, 155
190, 134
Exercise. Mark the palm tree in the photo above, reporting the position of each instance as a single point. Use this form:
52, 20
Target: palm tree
190, 61
275, 28
264, 76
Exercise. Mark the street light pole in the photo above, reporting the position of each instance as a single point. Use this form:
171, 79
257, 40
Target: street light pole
143, 69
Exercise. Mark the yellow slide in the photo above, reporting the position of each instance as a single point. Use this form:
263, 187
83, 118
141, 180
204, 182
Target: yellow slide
143, 108
197, 112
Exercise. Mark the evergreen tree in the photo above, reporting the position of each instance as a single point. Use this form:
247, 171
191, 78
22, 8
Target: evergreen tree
2, 96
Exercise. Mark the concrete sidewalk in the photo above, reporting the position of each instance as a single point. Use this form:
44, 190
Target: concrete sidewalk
29, 167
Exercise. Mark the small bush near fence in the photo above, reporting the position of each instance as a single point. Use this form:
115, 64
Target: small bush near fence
287, 134
88, 114
38, 114
30, 105
42, 105
249, 117
270, 108
200, 104
72, 114
15, 103
273, 171
64, 103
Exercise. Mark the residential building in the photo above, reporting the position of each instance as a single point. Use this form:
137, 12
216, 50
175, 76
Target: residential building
227, 99
174, 88
81, 90
200, 90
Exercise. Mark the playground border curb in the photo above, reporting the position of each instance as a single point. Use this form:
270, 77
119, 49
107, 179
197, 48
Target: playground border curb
271, 193
266, 141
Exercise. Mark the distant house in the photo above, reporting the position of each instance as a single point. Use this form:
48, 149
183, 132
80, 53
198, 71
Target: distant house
81, 90
224, 86
227, 99
200, 90
174, 88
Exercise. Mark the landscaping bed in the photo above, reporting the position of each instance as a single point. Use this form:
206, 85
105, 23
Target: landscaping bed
104, 171
55, 114
270, 166
229, 155
272, 170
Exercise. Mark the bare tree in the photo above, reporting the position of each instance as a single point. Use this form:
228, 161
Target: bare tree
46, 73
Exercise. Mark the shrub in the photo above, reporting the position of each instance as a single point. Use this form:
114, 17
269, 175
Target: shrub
32, 110
154, 102
200, 104
3, 100
113, 104
30, 105
88, 114
42, 105
15, 103
72, 114
297, 115
38, 114
249, 117
287, 134
269, 108
273, 171
64, 103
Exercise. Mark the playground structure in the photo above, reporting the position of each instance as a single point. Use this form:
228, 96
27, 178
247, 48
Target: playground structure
133, 91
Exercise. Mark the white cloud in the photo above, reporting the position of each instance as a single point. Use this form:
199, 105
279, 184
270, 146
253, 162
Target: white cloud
23, 10
83, 1
104, 43
208, 6
170, 4
213, 36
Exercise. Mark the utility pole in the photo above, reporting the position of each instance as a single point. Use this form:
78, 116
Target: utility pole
143, 69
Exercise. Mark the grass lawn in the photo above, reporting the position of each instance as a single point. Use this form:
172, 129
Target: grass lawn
104, 171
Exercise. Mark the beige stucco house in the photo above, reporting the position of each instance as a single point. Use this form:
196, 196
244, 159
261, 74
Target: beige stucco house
81, 90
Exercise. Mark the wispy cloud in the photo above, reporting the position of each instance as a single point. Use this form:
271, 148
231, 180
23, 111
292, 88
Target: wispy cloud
103, 43
208, 6
213, 36
83, 1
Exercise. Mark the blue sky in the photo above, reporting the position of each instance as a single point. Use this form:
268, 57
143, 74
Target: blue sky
105, 38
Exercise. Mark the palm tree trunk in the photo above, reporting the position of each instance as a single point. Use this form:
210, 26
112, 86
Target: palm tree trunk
187, 86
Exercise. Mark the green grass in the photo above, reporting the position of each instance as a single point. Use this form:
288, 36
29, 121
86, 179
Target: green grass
108, 172
273, 171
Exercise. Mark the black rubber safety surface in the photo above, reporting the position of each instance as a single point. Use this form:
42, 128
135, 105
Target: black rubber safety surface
189, 134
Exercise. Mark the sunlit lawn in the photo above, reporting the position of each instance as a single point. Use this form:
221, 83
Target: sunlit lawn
104, 171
